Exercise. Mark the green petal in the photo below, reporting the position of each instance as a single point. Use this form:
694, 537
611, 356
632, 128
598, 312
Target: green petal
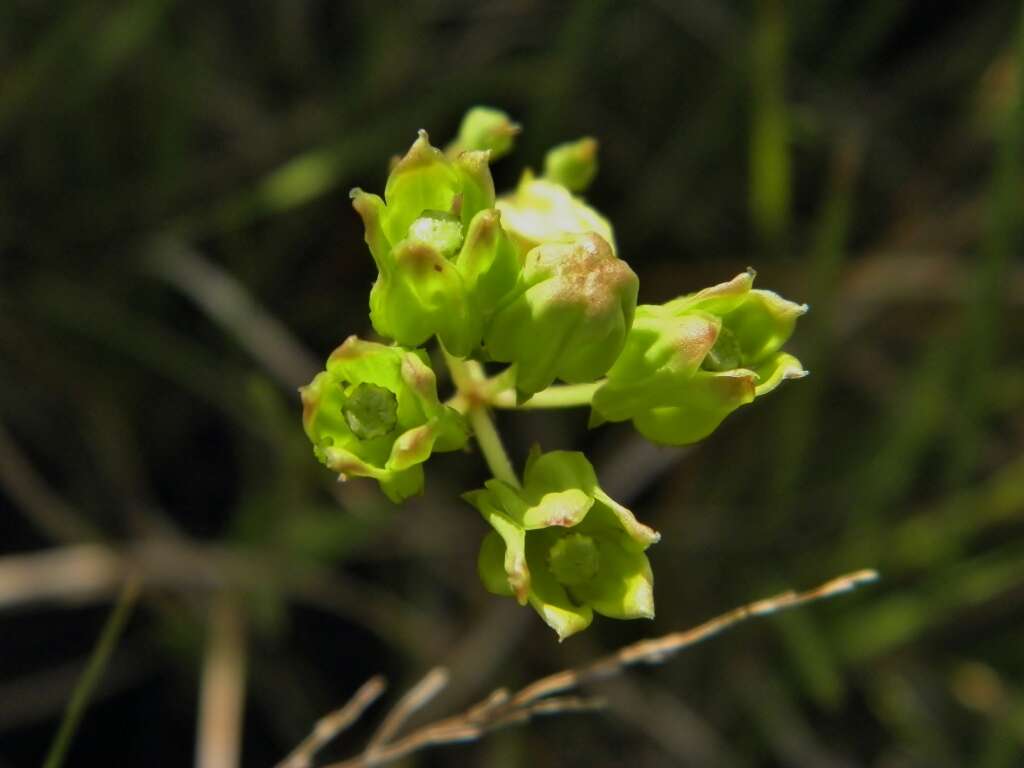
718, 299
558, 471
423, 296
417, 397
762, 324
508, 499
775, 370
423, 180
399, 486
569, 315
624, 585
611, 515
488, 262
346, 464
700, 407
491, 565
549, 598
412, 447
476, 184
452, 430
515, 562
541, 211
559, 508
371, 210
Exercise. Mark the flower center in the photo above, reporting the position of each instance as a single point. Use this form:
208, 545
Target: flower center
573, 559
441, 231
725, 354
370, 411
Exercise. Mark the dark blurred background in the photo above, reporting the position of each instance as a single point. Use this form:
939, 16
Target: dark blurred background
177, 255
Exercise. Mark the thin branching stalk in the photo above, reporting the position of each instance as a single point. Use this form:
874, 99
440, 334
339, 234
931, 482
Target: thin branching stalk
554, 694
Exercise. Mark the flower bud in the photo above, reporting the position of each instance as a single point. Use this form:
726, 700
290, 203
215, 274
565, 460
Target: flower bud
564, 546
688, 364
573, 165
484, 128
568, 316
543, 211
374, 412
442, 257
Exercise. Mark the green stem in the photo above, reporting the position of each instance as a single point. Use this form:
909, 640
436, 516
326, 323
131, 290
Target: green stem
101, 654
467, 376
489, 440
562, 396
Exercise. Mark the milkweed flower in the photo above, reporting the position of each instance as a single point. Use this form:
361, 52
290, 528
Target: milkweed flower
689, 363
374, 412
442, 257
568, 316
563, 546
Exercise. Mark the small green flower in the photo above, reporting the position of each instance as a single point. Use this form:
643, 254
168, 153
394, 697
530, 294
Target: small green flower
443, 259
543, 211
375, 413
567, 317
484, 128
564, 546
573, 164
691, 362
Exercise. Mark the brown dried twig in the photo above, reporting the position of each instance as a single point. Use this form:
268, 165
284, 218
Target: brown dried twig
329, 726
554, 694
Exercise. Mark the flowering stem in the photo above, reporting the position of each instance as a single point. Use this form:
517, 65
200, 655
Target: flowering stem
467, 376
491, 446
562, 396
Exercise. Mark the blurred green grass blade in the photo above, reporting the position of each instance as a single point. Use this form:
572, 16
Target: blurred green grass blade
893, 452
813, 658
896, 698
769, 137
801, 412
26, 79
984, 327
941, 534
867, 33
79, 54
98, 660
124, 33
886, 623
105, 321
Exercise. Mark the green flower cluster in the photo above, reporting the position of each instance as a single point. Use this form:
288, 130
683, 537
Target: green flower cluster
534, 279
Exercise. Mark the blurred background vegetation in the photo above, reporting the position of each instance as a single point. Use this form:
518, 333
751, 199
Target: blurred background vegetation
177, 255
